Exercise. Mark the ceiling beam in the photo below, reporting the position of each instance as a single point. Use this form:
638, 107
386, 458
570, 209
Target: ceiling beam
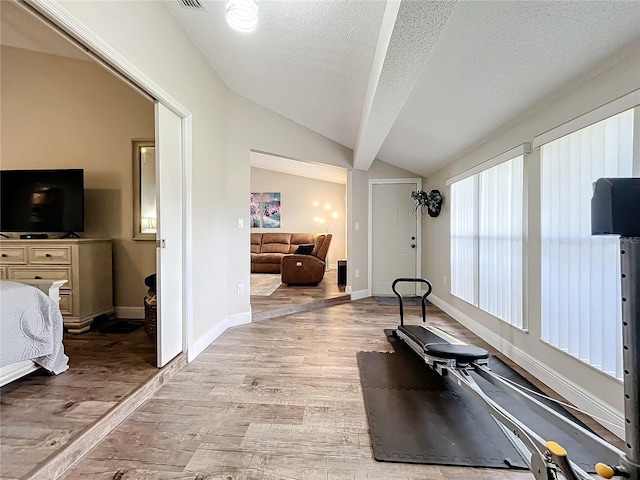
408, 32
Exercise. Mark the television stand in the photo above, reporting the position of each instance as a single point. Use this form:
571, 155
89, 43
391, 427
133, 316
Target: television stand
85, 264
70, 235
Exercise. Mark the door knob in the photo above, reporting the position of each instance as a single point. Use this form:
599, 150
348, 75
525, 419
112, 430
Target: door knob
413, 245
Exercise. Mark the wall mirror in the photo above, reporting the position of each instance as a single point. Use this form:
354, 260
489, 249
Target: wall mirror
144, 190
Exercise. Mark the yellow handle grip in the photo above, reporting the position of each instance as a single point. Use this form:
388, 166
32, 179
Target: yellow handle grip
556, 449
605, 471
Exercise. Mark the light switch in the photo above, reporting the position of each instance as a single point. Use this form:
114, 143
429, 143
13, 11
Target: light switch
357, 226
241, 223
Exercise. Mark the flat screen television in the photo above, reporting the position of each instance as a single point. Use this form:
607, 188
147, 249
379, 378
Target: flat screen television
42, 200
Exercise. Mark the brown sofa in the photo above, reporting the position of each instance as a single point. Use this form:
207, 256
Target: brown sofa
274, 253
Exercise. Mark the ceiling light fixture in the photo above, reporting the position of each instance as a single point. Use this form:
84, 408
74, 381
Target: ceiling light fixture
242, 15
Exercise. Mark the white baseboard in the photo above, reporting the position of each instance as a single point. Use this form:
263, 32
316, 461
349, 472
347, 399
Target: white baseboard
239, 319
208, 338
360, 294
130, 312
550, 377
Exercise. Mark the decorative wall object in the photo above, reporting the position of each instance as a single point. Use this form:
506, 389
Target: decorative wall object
254, 216
430, 201
271, 210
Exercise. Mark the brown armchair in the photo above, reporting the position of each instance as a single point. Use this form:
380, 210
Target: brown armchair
299, 269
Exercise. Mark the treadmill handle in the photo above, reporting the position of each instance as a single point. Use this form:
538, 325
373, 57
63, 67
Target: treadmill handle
424, 297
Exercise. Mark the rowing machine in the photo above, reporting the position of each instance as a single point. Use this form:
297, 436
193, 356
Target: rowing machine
614, 211
448, 356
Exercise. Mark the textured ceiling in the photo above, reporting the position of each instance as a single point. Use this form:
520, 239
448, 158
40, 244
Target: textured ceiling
442, 78
307, 60
415, 83
494, 61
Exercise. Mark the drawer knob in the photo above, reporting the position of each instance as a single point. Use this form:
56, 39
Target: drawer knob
47, 255
37, 277
4, 255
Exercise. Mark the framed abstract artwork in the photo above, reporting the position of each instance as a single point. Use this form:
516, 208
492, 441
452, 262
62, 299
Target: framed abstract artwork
271, 210
254, 216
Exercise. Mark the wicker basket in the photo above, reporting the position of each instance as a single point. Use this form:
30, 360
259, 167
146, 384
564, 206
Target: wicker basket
150, 317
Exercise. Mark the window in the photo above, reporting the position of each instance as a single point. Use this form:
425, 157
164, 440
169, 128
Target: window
581, 305
486, 240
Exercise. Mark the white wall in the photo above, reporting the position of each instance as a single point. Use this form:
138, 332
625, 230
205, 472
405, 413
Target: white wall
148, 36
578, 382
297, 210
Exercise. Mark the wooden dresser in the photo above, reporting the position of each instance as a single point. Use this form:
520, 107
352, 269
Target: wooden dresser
84, 263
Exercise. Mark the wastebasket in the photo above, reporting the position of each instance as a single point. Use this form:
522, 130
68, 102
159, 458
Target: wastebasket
342, 273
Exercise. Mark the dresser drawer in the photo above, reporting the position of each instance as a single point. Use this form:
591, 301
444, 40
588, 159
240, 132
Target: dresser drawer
13, 255
49, 255
3, 273
35, 273
65, 303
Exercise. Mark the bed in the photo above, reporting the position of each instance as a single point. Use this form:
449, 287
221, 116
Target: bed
30, 329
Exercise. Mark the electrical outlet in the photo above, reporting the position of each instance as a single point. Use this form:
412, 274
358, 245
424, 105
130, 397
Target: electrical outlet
357, 226
444, 280
241, 223
357, 273
241, 289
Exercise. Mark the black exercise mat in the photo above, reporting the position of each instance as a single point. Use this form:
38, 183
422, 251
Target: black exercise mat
411, 420
393, 301
416, 421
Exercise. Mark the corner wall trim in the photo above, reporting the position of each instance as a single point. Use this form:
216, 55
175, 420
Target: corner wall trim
541, 371
360, 294
207, 339
239, 319
201, 344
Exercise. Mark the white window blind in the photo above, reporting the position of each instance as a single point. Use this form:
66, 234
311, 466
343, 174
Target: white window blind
464, 239
486, 240
581, 305
500, 226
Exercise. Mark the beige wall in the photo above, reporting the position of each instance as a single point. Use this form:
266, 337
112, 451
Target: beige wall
358, 208
253, 127
297, 210
563, 371
63, 113
147, 37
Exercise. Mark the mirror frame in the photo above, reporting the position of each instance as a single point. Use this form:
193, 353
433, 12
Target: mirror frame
137, 145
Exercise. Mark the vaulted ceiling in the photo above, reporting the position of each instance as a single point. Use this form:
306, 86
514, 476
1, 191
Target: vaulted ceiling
415, 83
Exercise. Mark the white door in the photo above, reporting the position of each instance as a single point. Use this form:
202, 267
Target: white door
394, 242
169, 251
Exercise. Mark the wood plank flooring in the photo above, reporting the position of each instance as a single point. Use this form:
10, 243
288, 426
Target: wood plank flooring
41, 413
298, 298
276, 399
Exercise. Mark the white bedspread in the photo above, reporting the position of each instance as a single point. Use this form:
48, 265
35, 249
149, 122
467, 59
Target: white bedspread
30, 328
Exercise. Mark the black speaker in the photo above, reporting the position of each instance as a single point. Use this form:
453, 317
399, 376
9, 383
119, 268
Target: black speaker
614, 207
342, 273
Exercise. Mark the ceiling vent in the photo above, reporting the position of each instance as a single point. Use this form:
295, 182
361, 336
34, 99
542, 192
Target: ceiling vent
192, 4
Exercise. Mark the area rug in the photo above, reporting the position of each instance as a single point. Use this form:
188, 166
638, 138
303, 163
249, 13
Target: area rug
264, 284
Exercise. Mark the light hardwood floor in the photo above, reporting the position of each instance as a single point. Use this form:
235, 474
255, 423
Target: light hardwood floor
40, 413
279, 398
275, 399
